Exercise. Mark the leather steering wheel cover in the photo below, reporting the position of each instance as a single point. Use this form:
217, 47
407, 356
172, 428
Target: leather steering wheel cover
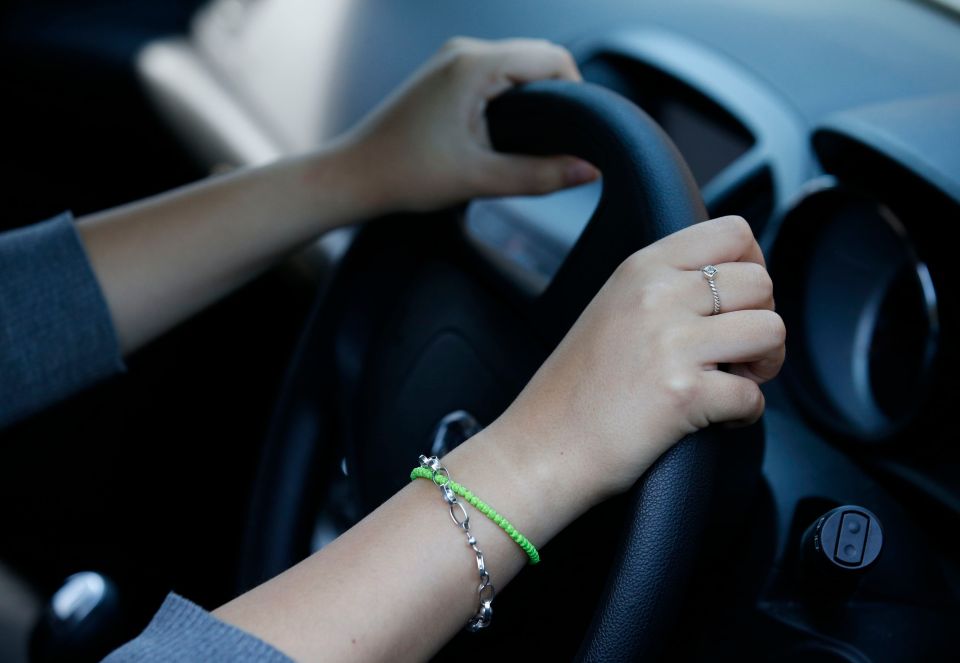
648, 190
645, 177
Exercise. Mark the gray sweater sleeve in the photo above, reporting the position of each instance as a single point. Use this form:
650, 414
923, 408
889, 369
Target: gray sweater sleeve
183, 631
56, 334
57, 337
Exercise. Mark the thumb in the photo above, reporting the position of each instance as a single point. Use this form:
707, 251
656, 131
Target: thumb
514, 175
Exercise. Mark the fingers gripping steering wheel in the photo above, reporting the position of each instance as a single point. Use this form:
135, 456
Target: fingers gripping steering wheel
416, 326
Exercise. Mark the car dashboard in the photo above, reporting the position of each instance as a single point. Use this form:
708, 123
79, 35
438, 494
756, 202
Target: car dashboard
834, 128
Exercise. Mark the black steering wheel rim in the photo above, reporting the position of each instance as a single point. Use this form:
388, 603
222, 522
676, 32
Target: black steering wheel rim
648, 193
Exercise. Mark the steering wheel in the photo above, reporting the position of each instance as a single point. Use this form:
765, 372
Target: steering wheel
416, 325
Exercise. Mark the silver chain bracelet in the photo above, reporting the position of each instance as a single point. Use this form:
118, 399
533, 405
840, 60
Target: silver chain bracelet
458, 514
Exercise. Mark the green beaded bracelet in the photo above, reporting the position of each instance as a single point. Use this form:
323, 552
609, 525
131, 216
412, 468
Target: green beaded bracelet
485, 509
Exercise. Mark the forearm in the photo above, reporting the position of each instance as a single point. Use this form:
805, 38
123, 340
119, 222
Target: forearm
162, 259
403, 582
636, 373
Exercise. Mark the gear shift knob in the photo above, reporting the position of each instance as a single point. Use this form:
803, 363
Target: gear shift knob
78, 621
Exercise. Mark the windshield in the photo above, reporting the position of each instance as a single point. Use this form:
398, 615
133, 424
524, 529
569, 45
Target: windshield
953, 5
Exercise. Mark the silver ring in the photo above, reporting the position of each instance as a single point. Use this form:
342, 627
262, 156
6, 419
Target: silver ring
710, 273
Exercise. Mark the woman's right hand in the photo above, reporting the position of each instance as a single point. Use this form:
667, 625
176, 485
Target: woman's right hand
641, 367
637, 371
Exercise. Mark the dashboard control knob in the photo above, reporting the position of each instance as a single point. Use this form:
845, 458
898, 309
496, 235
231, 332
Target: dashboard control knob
837, 549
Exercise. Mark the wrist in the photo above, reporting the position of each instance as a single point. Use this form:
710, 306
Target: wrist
579, 466
538, 487
342, 183
550, 464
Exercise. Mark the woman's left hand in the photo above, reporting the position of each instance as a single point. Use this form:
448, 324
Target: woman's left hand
426, 147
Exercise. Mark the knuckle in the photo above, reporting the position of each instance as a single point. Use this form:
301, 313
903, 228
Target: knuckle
455, 43
565, 56
649, 290
740, 227
459, 57
460, 60
681, 389
762, 283
653, 295
774, 327
754, 401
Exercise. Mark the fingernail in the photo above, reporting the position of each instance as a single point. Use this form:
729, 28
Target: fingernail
580, 172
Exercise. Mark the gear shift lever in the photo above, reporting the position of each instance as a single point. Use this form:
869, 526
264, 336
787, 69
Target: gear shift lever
79, 621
